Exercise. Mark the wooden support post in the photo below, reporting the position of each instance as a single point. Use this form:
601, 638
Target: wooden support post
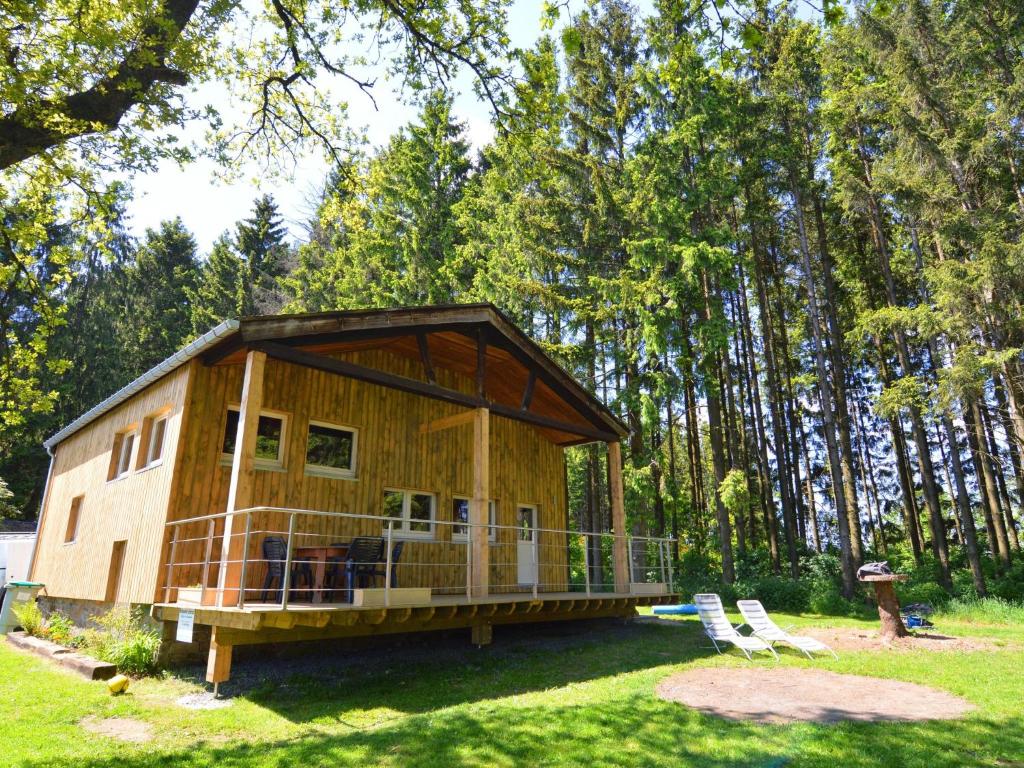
218, 664
243, 472
482, 633
620, 556
479, 503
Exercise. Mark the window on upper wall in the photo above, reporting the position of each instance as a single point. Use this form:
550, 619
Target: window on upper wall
330, 450
413, 512
270, 437
154, 430
71, 533
121, 454
460, 514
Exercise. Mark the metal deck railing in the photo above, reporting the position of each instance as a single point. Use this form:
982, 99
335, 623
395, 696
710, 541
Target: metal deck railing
220, 559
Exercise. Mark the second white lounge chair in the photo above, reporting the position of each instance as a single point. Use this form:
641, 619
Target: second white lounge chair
720, 630
761, 623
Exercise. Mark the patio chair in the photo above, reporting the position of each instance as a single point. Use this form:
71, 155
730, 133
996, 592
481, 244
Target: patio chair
718, 628
364, 553
763, 627
275, 552
396, 554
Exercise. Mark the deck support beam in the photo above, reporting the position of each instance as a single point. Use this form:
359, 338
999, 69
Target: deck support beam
482, 633
243, 473
620, 554
218, 663
478, 505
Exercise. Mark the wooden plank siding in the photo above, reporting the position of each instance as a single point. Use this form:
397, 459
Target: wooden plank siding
131, 509
392, 452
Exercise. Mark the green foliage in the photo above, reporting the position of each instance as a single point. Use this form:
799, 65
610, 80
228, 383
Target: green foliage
989, 610
7, 509
61, 630
30, 618
121, 638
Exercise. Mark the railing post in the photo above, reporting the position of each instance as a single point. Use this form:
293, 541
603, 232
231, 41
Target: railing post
469, 564
387, 567
586, 562
245, 560
533, 557
629, 555
671, 589
170, 564
209, 554
286, 577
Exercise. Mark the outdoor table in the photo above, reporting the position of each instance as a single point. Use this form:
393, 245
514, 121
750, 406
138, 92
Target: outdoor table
888, 605
320, 555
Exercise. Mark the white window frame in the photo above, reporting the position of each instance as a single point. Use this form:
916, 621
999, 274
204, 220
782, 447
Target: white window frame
123, 463
402, 529
320, 470
492, 520
260, 463
153, 421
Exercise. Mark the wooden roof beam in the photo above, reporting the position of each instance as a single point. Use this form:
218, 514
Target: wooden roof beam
426, 389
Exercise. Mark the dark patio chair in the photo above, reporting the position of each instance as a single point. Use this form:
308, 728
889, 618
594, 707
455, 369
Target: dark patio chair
275, 552
364, 553
382, 572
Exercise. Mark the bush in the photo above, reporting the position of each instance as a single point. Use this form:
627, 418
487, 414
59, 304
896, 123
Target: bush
60, 629
781, 594
121, 639
922, 592
30, 618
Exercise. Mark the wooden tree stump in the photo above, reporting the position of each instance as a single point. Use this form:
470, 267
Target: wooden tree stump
888, 605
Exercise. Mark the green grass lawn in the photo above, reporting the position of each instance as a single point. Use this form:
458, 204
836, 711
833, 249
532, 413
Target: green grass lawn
585, 698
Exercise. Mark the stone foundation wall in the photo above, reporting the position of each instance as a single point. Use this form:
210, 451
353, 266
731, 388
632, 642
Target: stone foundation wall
82, 611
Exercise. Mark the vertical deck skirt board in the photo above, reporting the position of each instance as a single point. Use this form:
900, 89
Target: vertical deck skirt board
131, 509
392, 452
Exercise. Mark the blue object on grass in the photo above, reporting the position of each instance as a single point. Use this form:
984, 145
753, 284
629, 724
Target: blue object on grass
685, 609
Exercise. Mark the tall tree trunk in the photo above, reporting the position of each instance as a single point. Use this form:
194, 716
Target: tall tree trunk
711, 368
825, 397
986, 483
839, 383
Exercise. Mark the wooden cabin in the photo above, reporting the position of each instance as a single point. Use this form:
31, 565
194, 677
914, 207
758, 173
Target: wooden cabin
235, 480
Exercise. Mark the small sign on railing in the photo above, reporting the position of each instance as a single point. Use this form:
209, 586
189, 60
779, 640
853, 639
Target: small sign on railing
186, 620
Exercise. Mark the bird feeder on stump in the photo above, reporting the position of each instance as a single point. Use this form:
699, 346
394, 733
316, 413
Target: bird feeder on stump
888, 605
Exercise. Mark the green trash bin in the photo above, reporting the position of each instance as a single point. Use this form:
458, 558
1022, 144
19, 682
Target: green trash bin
16, 593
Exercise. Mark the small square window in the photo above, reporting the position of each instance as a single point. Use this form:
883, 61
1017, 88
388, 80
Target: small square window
460, 514
270, 431
330, 450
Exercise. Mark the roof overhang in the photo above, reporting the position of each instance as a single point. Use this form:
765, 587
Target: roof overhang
403, 330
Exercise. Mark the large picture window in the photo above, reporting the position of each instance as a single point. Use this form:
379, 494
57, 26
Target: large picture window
413, 511
270, 437
330, 450
460, 514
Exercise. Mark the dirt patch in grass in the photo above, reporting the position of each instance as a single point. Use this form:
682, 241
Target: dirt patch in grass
785, 695
123, 728
847, 639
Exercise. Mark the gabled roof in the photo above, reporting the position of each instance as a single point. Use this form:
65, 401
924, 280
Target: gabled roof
517, 372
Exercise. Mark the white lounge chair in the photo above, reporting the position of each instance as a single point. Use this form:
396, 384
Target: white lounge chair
718, 628
760, 622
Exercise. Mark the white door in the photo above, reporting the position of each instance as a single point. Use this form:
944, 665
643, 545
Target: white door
526, 545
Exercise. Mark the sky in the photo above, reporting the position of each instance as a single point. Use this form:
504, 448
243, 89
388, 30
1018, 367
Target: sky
208, 207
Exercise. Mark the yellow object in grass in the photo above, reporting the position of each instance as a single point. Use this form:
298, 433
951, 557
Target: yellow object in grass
117, 684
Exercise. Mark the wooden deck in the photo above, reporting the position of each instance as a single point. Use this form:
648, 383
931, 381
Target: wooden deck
269, 623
